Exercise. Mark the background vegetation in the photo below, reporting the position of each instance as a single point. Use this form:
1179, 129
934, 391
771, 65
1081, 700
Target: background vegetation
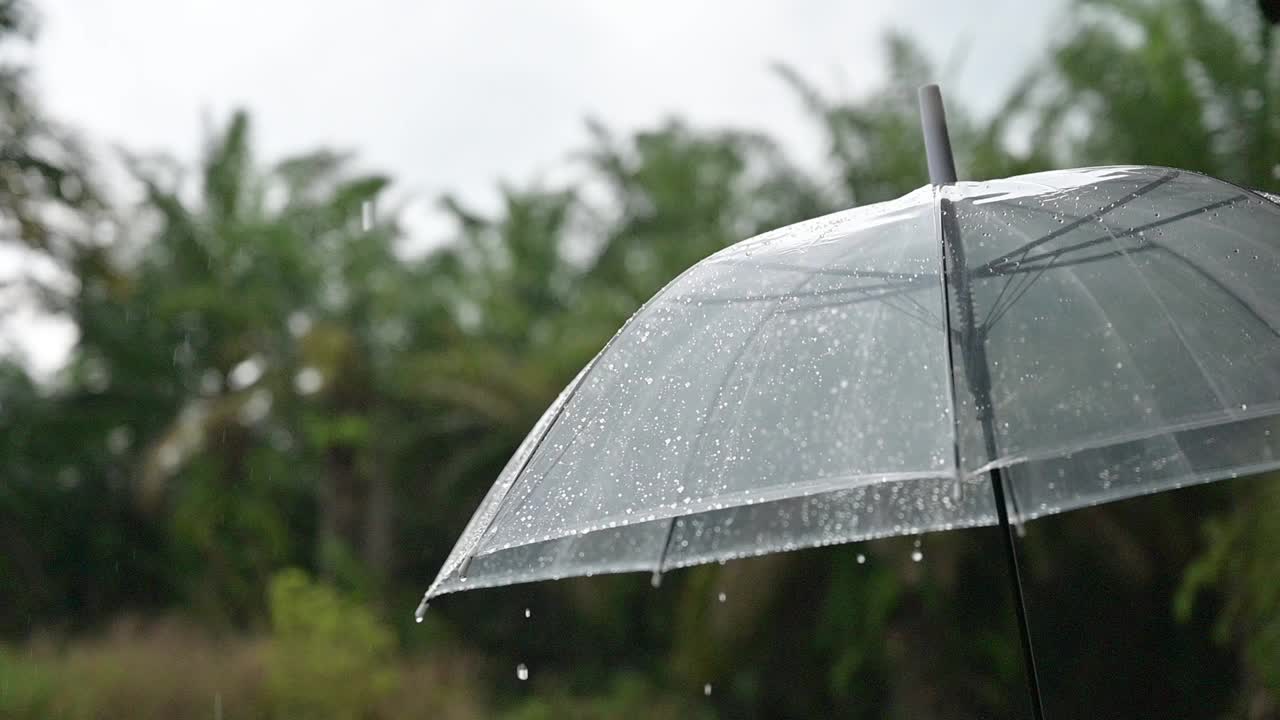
273, 425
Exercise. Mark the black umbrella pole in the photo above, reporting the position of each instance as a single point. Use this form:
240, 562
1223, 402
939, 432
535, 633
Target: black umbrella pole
978, 371
973, 351
1019, 599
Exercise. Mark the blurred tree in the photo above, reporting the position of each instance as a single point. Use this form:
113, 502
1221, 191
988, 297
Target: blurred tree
42, 168
1241, 564
230, 350
1191, 84
281, 309
874, 142
675, 195
46, 205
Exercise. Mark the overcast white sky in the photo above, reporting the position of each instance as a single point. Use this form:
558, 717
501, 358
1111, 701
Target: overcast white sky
452, 96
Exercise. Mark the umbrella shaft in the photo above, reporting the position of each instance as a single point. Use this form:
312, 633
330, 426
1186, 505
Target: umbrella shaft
973, 354
1019, 600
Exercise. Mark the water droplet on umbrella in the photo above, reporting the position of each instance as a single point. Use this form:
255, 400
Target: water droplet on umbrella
522, 672
656, 579
706, 689
421, 611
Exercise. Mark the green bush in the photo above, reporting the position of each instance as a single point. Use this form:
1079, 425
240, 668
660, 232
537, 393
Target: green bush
27, 688
1240, 563
330, 657
630, 696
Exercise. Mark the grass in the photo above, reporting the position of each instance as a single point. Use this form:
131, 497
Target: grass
174, 669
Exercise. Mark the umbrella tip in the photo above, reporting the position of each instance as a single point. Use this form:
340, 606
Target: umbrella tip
937, 142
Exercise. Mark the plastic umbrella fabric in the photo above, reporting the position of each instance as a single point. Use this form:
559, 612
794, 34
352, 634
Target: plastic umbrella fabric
971, 354
818, 384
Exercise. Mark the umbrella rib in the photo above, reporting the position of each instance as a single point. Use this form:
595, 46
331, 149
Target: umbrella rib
1146, 244
867, 297
1095, 215
990, 270
996, 310
1154, 246
992, 320
924, 316
1022, 282
1052, 260
919, 316
1000, 296
1055, 255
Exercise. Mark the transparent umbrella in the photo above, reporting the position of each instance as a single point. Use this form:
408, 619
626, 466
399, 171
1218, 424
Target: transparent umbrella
974, 353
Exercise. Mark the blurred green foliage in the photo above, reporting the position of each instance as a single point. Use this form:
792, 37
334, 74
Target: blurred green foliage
330, 656
276, 420
1241, 563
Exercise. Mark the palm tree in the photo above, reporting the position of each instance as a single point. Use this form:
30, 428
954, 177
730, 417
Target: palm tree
241, 332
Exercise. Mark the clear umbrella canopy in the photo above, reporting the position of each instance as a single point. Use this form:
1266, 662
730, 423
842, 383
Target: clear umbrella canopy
815, 385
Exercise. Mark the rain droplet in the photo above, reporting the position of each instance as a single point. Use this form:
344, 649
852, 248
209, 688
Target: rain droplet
916, 556
706, 689
656, 579
522, 672
723, 597
421, 612
527, 614
862, 559
366, 215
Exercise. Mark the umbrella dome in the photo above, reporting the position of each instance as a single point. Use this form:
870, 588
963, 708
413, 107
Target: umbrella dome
1090, 334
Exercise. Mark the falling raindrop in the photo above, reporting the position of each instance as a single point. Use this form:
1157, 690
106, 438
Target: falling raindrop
706, 689
916, 556
421, 612
527, 614
656, 580
522, 672
862, 559
723, 597
366, 215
